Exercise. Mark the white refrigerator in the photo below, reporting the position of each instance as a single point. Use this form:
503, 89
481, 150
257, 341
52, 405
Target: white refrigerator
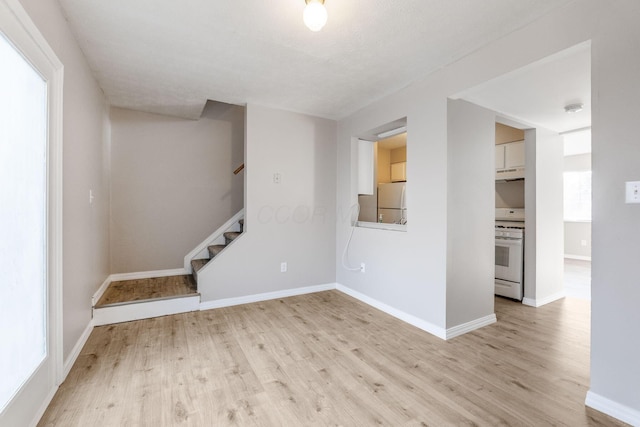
392, 203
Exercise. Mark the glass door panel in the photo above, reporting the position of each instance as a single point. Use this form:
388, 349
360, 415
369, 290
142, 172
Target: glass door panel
23, 221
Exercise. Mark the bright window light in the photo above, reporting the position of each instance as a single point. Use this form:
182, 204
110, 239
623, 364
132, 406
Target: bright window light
577, 196
23, 218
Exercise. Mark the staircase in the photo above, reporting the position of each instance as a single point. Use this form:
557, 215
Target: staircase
214, 250
147, 296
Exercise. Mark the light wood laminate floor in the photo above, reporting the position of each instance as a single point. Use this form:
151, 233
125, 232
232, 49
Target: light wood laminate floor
147, 289
327, 359
577, 278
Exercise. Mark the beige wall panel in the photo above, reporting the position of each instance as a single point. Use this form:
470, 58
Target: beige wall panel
85, 167
172, 184
506, 134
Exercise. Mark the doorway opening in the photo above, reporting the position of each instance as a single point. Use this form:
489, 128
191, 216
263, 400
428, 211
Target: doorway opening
536, 97
577, 213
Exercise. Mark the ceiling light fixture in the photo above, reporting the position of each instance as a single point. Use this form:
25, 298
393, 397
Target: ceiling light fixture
315, 14
392, 132
573, 108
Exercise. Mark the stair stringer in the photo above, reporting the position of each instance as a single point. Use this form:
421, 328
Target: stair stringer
216, 279
241, 275
215, 238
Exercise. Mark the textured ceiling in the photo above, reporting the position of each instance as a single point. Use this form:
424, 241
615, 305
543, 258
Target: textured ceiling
169, 57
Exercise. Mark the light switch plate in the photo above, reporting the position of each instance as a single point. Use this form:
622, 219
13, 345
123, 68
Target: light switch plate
632, 192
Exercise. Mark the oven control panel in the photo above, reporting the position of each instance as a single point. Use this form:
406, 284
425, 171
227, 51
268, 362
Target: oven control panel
509, 233
509, 214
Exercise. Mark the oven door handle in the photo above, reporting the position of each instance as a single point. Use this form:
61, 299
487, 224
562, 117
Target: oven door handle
509, 239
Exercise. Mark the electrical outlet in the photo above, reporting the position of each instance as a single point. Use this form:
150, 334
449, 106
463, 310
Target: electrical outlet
632, 192
277, 178
583, 242
283, 267
362, 267
91, 197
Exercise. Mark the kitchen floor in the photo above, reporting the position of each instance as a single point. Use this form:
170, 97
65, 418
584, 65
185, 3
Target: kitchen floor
577, 278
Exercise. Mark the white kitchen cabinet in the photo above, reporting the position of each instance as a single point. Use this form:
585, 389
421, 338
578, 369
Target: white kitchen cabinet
366, 170
510, 160
398, 172
514, 155
500, 157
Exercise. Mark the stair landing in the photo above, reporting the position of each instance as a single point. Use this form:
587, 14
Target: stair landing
144, 298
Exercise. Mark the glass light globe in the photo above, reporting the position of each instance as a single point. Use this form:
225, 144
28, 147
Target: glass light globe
315, 15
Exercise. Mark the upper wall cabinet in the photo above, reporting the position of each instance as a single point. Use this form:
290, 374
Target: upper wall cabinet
366, 170
398, 172
510, 160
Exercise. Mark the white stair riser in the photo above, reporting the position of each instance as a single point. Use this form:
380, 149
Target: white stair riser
145, 310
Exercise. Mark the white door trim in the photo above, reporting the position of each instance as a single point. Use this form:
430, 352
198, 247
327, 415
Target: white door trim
18, 27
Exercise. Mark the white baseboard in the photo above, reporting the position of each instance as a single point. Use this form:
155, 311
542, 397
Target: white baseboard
229, 302
408, 318
145, 310
43, 407
578, 257
529, 301
405, 317
471, 326
614, 409
543, 301
75, 351
96, 297
147, 274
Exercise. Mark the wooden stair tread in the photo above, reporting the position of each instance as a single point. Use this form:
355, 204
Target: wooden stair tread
197, 264
140, 290
231, 235
215, 249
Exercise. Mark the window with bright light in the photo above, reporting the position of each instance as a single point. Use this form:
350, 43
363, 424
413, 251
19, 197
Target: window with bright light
23, 219
577, 196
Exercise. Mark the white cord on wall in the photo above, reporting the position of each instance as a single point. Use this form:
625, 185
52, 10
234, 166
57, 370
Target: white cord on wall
345, 265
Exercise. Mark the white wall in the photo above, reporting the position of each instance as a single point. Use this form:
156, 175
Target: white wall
577, 240
172, 184
575, 233
615, 288
471, 213
544, 237
293, 221
578, 162
409, 271
86, 166
406, 271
